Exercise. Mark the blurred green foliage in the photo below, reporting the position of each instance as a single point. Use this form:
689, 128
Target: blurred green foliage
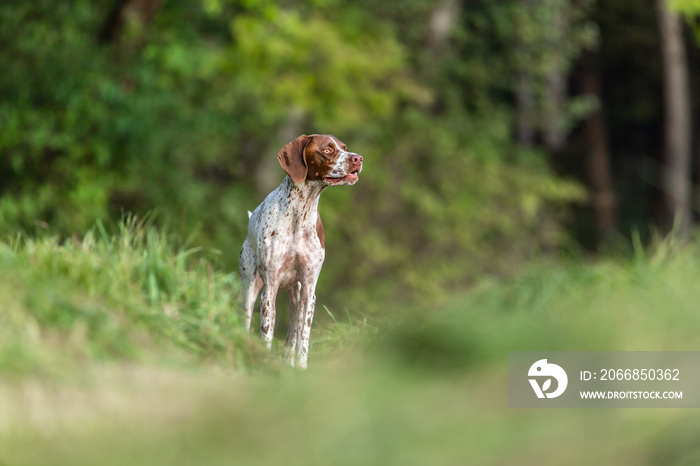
181, 113
690, 9
685, 6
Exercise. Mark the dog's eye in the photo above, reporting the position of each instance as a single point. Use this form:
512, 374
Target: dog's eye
327, 150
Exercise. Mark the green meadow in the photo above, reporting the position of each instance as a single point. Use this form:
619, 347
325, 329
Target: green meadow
125, 348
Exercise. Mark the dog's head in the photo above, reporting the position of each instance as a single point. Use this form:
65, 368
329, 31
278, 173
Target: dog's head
320, 157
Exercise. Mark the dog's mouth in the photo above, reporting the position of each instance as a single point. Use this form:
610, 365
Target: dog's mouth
350, 178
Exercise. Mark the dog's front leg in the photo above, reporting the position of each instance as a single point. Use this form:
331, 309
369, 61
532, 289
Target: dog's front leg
268, 313
305, 318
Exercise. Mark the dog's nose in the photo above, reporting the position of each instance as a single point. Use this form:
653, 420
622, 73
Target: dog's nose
356, 158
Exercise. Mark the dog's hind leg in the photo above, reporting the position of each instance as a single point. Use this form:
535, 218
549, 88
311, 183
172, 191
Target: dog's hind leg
251, 283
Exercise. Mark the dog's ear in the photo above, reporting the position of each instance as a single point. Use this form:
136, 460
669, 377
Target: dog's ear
292, 159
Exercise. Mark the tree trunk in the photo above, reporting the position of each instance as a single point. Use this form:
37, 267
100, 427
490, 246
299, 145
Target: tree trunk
598, 163
677, 132
524, 96
696, 196
556, 83
128, 20
525, 133
442, 20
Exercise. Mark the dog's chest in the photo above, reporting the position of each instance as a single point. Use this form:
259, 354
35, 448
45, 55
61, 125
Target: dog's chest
288, 240
297, 254
296, 237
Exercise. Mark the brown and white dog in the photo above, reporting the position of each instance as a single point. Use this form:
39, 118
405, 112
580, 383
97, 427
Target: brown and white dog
285, 246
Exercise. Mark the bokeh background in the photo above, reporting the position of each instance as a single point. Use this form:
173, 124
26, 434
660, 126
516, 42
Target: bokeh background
492, 130
530, 183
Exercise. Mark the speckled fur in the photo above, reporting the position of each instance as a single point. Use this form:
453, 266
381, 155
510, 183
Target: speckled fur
284, 249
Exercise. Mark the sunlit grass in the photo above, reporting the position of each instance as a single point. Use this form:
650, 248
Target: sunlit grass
131, 295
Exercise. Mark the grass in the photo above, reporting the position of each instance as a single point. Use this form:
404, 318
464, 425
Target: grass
125, 349
132, 296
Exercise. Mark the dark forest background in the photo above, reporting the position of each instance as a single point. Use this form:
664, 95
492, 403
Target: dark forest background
493, 132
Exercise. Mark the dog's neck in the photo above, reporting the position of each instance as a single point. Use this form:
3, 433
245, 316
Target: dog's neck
304, 196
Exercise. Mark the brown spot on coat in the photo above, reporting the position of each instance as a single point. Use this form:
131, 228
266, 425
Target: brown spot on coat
319, 231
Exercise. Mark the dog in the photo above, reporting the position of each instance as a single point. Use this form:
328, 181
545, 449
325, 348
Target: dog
285, 247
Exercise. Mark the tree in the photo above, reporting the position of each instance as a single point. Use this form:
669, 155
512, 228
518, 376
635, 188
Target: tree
677, 131
598, 162
556, 81
524, 99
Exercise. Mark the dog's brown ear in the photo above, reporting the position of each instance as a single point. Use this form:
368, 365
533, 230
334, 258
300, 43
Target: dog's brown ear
292, 159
